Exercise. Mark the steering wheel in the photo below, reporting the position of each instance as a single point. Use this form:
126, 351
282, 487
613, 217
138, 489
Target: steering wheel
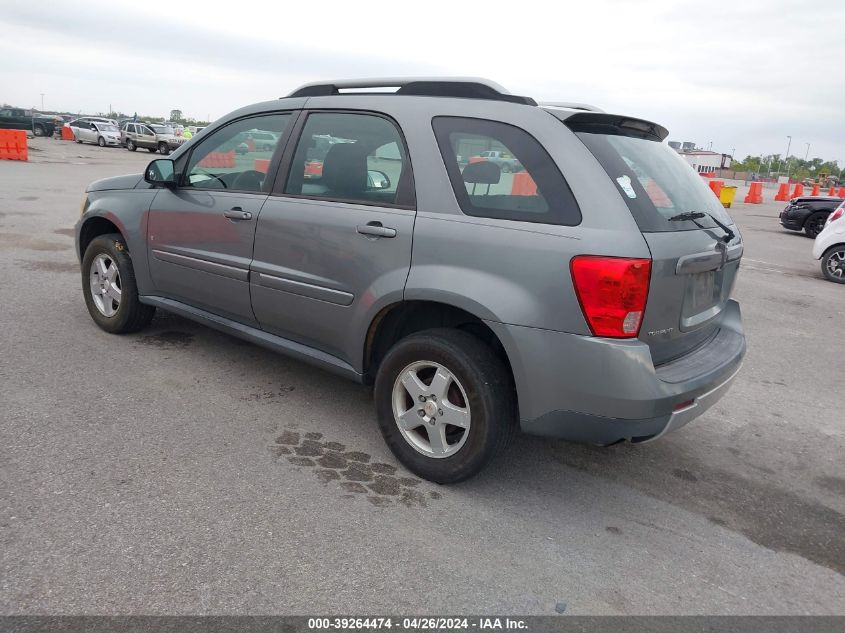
249, 180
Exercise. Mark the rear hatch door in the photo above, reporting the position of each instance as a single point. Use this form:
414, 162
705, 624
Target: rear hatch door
694, 244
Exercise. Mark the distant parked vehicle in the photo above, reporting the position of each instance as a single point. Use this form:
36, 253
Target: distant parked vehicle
829, 246
99, 132
151, 136
808, 214
506, 162
37, 124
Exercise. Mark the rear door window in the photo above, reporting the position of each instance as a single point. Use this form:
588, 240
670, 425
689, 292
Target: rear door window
500, 171
351, 157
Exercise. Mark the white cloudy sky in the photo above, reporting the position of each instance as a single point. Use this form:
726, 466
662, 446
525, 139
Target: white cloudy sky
743, 76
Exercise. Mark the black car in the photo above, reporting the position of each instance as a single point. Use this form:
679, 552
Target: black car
808, 214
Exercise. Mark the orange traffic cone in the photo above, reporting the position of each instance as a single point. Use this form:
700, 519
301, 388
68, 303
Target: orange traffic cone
798, 191
815, 191
831, 191
716, 186
755, 193
841, 192
783, 192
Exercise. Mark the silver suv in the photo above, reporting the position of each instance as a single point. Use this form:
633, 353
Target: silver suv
585, 297
151, 136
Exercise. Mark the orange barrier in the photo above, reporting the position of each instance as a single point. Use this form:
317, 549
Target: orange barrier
815, 190
831, 191
783, 192
13, 145
218, 159
67, 133
523, 184
476, 159
841, 192
262, 165
716, 186
798, 191
707, 174
755, 193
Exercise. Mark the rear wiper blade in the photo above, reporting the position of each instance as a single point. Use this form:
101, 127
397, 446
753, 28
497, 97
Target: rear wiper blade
697, 215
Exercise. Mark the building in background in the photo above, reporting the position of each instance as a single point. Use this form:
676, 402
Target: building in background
701, 160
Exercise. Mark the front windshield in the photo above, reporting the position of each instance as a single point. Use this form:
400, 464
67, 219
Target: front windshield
654, 181
161, 129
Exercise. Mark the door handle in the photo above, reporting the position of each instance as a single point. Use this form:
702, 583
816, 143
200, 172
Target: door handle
375, 229
236, 213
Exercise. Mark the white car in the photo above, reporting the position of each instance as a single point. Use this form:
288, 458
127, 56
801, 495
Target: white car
99, 132
830, 246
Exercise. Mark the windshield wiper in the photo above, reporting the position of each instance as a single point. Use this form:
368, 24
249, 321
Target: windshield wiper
692, 216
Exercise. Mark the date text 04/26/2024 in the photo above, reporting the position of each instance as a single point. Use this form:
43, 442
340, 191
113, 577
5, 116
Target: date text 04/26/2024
416, 623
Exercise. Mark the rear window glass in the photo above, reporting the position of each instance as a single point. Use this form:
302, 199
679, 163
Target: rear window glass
500, 171
654, 181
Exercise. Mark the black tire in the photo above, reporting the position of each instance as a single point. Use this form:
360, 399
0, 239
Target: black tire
101, 142
78, 141
834, 258
163, 148
130, 145
131, 314
38, 130
506, 169
489, 391
815, 223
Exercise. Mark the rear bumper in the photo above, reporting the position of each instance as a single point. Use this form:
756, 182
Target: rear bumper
604, 390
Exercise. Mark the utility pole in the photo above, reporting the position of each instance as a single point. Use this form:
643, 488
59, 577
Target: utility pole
42, 102
788, 145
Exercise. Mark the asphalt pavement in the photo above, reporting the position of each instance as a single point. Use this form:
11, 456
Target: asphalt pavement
182, 471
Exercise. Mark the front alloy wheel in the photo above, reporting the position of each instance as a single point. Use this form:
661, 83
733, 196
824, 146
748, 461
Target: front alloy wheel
104, 279
833, 264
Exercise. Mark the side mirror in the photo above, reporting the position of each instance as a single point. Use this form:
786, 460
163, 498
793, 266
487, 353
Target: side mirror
377, 180
161, 172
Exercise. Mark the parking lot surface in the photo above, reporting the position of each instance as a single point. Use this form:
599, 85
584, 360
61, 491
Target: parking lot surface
180, 470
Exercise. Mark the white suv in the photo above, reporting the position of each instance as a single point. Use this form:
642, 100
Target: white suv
830, 246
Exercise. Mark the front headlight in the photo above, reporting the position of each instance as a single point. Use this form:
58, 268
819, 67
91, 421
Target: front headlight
84, 207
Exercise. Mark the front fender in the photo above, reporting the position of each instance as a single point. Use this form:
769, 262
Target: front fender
128, 211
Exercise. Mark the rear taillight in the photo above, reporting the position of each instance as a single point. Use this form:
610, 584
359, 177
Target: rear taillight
612, 292
837, 214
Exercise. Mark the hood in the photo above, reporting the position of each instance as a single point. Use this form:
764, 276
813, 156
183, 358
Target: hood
115, 182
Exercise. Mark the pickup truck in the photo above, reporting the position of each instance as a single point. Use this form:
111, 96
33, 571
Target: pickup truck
38, 124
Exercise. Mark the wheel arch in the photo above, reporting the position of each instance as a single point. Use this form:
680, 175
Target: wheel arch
95, 226
402, 318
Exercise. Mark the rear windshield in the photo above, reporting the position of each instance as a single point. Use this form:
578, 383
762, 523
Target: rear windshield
654, 181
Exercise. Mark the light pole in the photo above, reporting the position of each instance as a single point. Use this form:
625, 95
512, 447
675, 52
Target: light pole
807, 153
42, 102
788, 145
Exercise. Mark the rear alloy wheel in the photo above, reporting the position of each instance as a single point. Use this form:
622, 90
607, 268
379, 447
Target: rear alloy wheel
101, 142
163, 149
814, 224
833, 264
130, 145
38, 130
445, 404
108, 284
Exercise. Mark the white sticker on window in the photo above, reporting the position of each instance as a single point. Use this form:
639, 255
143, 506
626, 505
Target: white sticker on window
625, 183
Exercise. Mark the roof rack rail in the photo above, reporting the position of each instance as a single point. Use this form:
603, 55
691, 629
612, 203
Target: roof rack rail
462, 87
571, 105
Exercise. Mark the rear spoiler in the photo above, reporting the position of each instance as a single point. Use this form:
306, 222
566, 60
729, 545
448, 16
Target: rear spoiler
617, 125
